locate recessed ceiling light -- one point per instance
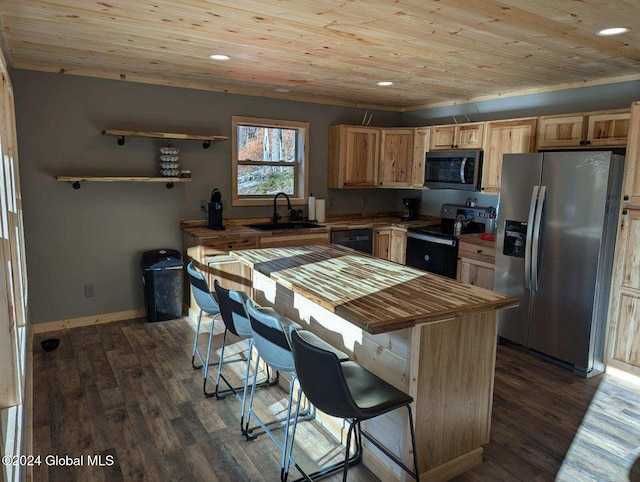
(385, 83)
(281, 89)
(608, 32)
(219, 57)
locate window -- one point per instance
(269, 156)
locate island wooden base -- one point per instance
(447, 366)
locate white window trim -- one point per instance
(302, 181)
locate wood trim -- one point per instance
(69, 323)
(536, 90)
(302, 181)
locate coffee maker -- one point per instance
(215, 211)
(410, 212)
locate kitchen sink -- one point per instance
(281, 226)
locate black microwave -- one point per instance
(453, 170)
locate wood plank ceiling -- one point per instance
(331, 51)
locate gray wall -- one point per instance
(97, 233)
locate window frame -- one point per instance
(301, 176)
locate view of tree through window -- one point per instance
(267, 160)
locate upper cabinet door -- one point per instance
(505, 137)
(442, 137)
(396, 158)
(420, 147)
(353, 156)
(469, 136)
(560, 131)
(608, 129)
(457, 136)
(631, 188)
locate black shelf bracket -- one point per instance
(121, 140)
(76, 185)
(169, 185)
(206, 144)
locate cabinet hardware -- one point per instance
(626, 198)
(624, 212)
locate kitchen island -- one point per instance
(430, 336)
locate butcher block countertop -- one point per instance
(374, 294)
(234, 228)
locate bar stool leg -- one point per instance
(289, 458)
(250, 409)
(206, 364)
(220, 362)
(195, 344)
(246, 384)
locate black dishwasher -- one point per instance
(359, 239)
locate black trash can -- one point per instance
(162, 283)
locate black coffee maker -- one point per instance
(410, 212)
(215, 211)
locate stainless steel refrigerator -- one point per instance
(557, 222)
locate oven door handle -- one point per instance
(433, 239)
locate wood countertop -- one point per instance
(478, 239)
(199, 230)
(377, 295)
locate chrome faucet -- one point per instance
(276, 216)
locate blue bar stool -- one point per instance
(349, 391)
(270, 336)
(207, 304)
(234, 315)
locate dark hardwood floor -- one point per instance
(127, 390)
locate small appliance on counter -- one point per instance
(410, 212)
(435, 248)
(215, 211)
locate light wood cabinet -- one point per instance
(623, 334)
(396, 158)
(476, 262)
(476, 273)
(631, 188)
(420, 147)
(390, 244)
(291, 240)
(505, 137)
(586, 130)
(457, 136)
(353, 156)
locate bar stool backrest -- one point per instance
(201, 291)
(233, 310)
(321, 378)
(269, 337)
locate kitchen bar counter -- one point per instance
(374, 294)
(430, 336)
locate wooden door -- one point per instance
(353, 156)
(442, 137)
(475, 273)
(631, 189)
(560, 131)
(398, 246)
(506, 137)
(420, 148)
(623, 337)
(382, 243)
(396, 158)
(608, 130)
(469, 136)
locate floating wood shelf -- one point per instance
(76, 180)
(207, 138)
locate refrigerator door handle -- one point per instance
(527, 247)
(536, 238)
(463, 165)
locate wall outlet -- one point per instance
(89, 291)
(364, 201)
(203, 206)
